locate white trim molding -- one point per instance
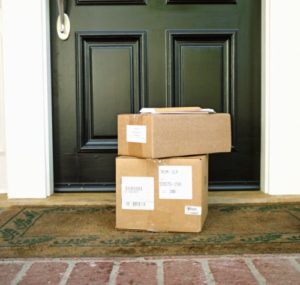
(265, 95)
(27, 97)
(3, 186)
(280, 97)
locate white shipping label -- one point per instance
(193, 210)
(137, 193)
(175, 182)
(136, 133)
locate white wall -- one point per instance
(3, 186)
(281, 98)
(26, 64)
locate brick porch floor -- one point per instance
(244, 269)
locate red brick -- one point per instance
(44, 273)
(183, 272)
(8, 272)
(277, 271)
(141, 273)
(230, 272)
(90, 273)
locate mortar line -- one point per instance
(143, 259)
(294, 263)
(160, 272)
(257, 275)
(64, 279)
(21, 273)
(207, 272)
(114, 273)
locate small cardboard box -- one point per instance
(161, 194)
(173, 134)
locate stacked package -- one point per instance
(162, 168)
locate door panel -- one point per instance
(120, 58)
(110, 81)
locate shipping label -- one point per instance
(193, 210)
(175, 182)
(136, 133)
(137, 193)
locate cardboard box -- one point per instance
(169, 135)
(161, 194)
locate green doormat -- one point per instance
(89, 231)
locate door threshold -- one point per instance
(98, 199)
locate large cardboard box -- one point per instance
(161, 194)
(169, 135)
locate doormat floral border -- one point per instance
(15, 234)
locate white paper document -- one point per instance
(175, 182)
(137, 193)
(136, 133)
(177, 110)
(193, 210)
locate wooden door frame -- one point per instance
(27, 92)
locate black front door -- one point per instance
(126, 54)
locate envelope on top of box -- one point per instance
(167, 132)
(176, 110)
